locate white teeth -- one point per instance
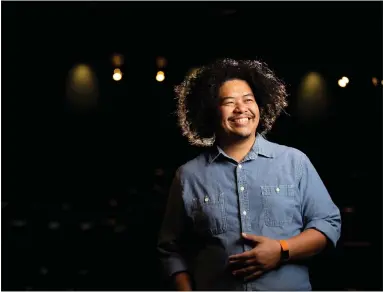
(242, 121)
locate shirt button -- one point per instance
(239, 165)
(242, 188)
(244, 213)
(277, 189)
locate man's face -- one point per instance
(238, 111)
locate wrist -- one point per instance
(285, 251)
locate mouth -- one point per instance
(241, 121)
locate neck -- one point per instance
(237, 149)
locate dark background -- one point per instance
(84, 190)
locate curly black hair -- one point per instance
(197, 97)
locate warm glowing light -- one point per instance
(82, 87)
(345, 79)
(375, 81)
(117, 75)
(160, 76)
(117, 60)
(312, 96)
(342, 83)
(161, 62)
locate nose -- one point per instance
(240, 107)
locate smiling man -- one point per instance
(244, 214)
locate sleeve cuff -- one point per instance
(330, 231)
(175, 265)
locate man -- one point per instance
(244, 214)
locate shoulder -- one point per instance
(192, 167)
(289, 158)
(280, 151)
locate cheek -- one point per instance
(257, 114)
(223, 116)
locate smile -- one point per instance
(241, 121)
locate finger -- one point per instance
(252, 237)
(237, 262)
(250, 262)
(237, 265)
(245, 271)
(242, 256)
(253, 276)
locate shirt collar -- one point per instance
(261, 147)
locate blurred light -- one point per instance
(19, 223)
(159, 172)
(82, 78)
(348, 210)
(111, 221)
(161, 62)
(53, 225)
(312, 96)
(342, 83)
(345, 79)
(160, 76)
(381, 82)
(82, 89)
(86, 226)
(117, 75)
(375, 81)
(43, 271)
(117, 60)
(119, 228)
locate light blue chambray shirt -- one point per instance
(275, 192)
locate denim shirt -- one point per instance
(274, 191)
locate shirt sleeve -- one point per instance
(319, 210)
(173, 227)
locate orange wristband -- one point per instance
(284, 245)
(285, 253)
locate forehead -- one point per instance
(234, 88)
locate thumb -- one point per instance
(252, 237)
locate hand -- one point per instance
(264, 256)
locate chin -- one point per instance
(243, 135)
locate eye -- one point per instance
(249, 100)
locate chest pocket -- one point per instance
(279, 204)
(209, 214)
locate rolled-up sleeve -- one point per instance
(173, 227)
(318, 209)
